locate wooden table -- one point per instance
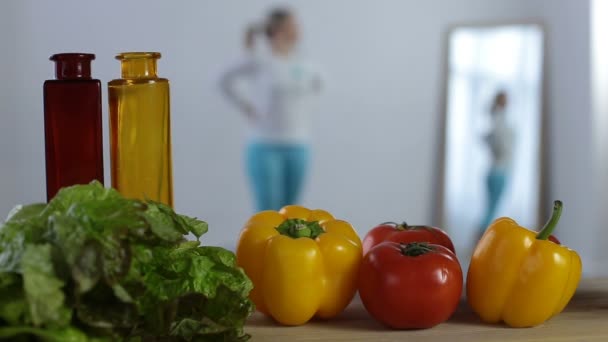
(585, 319)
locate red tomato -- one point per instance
(403, 233)
(410, 286)
(554, 239)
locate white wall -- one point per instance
(8, 148)
(599, 102)
(377, 133)
(384, 62)
(569, 108)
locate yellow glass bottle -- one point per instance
(140, 130)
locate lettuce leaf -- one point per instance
(13, 306)
(69, 334)
(43, 290)
(92, 265)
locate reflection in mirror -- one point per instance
(493, 129)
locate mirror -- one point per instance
(493, 130)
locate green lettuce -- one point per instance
(92, 265)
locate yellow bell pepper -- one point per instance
(303, 263)
(518, 276)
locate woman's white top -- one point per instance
(501, 141)
(279, 96)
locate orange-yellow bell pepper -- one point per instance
(303, 263)
(518, 276)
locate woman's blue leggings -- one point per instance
(277, 173)
(496, 184)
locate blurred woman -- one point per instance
(278, 149)
(500, 143)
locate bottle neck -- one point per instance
(138, 68)
(138, 64)
(69, 66)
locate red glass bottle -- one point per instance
(72, 124)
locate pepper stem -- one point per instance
(552, 223)
(415, 249)
(297, 228)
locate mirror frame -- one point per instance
(543, 206)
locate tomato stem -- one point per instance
(398, 226)
(552, 223)
(415, 249)
(297, 228)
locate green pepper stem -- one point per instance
(552, 223)
(296, 228)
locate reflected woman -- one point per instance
(500, 143)
(278, 149)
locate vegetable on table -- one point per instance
(404, 233)
(410, 285)
(92, 266)
(518, 276)
(303, 263)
